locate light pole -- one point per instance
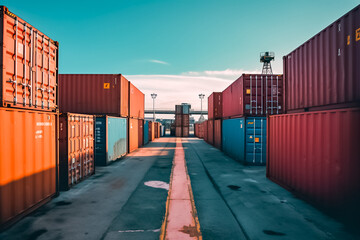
(153, 96)
(201, 96)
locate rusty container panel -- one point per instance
(29, 65)
(324, 72)
(178, 109)
(217, 133)
(76, 148)
(215, 105)
(185, 120)
(196, 129)
(111, 134)
(28, 161)
(205, 130)
(210, 132)
(253, 95)
(141, 132)
(178, 120)
(316, 155)
(136, 102)
(156, 129)
(133, 134)
(178, 131)
(151, 131)
(185, 131)
(98, 94)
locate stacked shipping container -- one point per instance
(316, 153)
(214, 122)
(28, 137)
(182, 120)
(136, 118)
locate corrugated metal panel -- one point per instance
(141, 132)
(100, 94)
(244, 139)
(133, 134)
(253, 95)
(178, 132)
(205, 130)
(178, 120)
(32, 85)
(178, 109)
(185, 120)
(110, 139)
(217, 133)
(136, 102)
(325, 70)
(28, 161)
(215, 105)
(185, 131)
(151, 131)
(186, 109)
(210, 132)
(76, 143)
(146, 132)
(316, 155)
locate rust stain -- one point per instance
(191, 230)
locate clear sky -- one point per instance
(177, 48)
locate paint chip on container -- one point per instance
(157, 184)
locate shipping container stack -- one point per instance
(136, 118)
(314, 148)
(28, 117)
(214, 119)
(244, 123)
(182, 120)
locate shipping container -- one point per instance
(178, 109)
(205, 130)
(178, 131)
(29, 65)
(253, 95)
(172, 129)
(99, 94)
(244, 139)
(133, 134)
(76, 148)
(141, 132)
(28, 161)
(136, 102)
(146, 132)
(110, 139)
(162, 131)
(185, 120)
(151, 131)
(159, 130)
(215, 105)
(178, 120)
(186, 109)
(196, 129)
(185, 131)
(217, 133)
(156, 129)
(210, 132)
(324, 72)
(316, 155)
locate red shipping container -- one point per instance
(253, 95)
(185, 131)
(324, 72)
(210, 132)
(215, 105)
(205, 130)
(30, 81)
(151, 131)
(28, 162)
(185, 120)
(178, 120)
(178, 131)
(141, 132)
(178, 109)
(196, 129)
(76, 152)
(136, 102)
(99, 94)
(159, 130)
(217, 133)
(133, 134)
(316, 155)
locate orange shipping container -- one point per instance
(29, 65)
(141, 132)
(28, 161)
(136, 102)
(98, 94)
(156, 128)
(151, 131)
(133, 134)
(76, 158)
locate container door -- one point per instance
(255, 141)
(100, 141)
(117, 138)
(233, 138)
(146, 132)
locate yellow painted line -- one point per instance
(181, 219)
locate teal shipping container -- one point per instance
(110, 139)
(244, 139)
(146, 132)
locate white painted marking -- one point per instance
(157, 184)
(136, 231)
(250, 180)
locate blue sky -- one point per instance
(177, 42)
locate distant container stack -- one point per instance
(28, 116)
(215, 114)
(182, 120)
(313, 150)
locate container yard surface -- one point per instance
(129, 199)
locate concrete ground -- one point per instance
(127, 200)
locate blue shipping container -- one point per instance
(146, 132)
(244, 139)
(110, 139)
